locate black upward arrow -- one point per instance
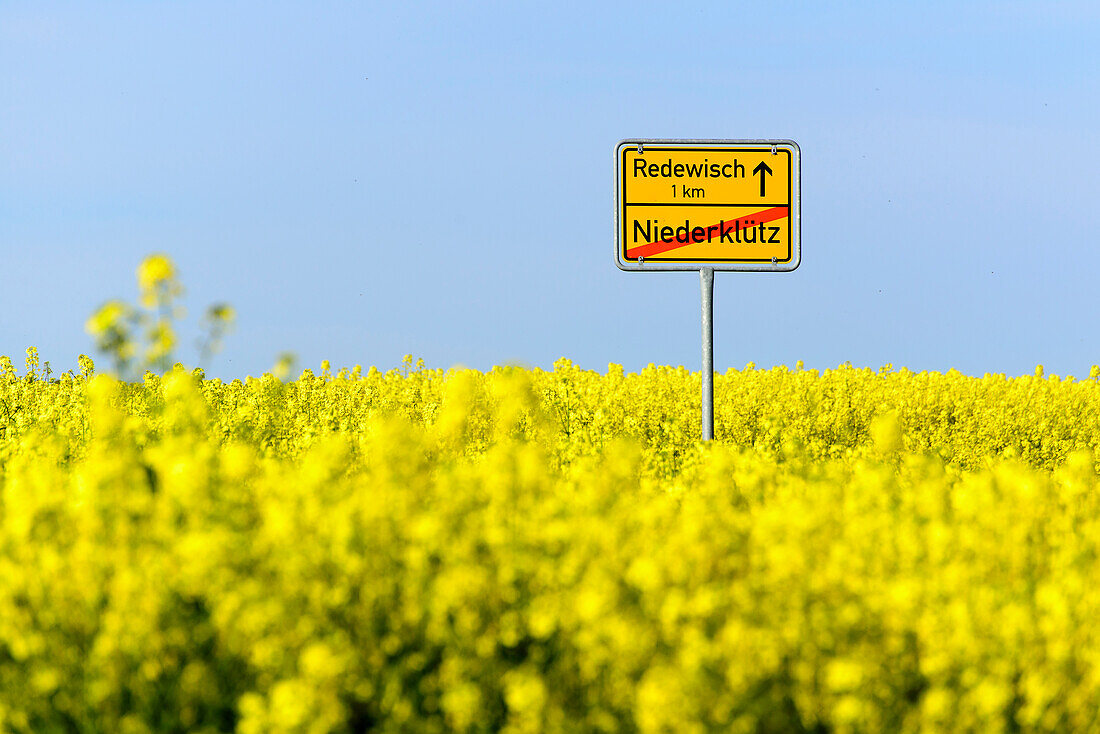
(762, 169)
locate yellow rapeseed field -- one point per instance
(548, 551)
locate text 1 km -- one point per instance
(687, 192)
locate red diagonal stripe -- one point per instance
(656, 248)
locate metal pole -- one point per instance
(706, 282)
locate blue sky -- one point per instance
(363, 181)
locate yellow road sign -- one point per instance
(728, 205)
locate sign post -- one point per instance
(706, 280)
(708, 205)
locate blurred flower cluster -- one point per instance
(144, 338)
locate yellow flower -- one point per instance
(106, 318)
(155, 270)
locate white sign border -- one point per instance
(795, 213)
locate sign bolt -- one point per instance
(640, 151)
